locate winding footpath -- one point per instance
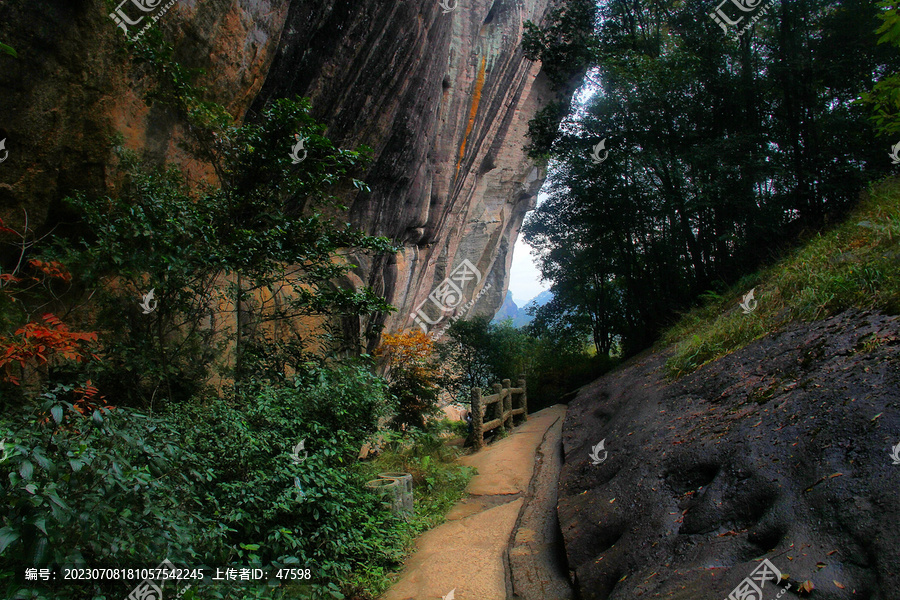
(502, 542)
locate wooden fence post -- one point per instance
(477, 420)
(497, 411)
(524, 401)
(507, 406)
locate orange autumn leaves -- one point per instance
(41, 342)
(51, 269)
(47, 341)
(413, 375)
(411, 350)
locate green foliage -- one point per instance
(439, 482)
(5, 49)
(318, 510)
(719, 155)
(884, 99)
(205, 483)
(265, 240)
(543, 129)
(486, 353)
(110, 488)
(566, 46)
(855, 264)
(206, 476)
(560, 363)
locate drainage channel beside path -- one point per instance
(502, 541)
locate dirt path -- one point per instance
(536, 551)
(503, 522)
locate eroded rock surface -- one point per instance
(443, 98)
(780, 450)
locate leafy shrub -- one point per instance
(414, 376)
(438, 483)
(211, 482)
(104, 487)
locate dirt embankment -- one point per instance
(781, 450)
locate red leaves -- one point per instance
(52, 269)
(90, 399)
(5, 229)
(42, 342)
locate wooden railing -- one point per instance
(505, 408)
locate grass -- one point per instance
(855, 264)
(439, 482)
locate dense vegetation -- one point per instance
(854, 264)
(131, 436)
(721, 153)
(485, 353)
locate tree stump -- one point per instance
(406, 480)
(391, 491)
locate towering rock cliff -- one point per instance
(442, 96)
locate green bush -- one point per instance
(106, 489)
(553, 364)
(439, 482)
(210, 482)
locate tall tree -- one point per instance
(719, 150)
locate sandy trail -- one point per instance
(501, 542)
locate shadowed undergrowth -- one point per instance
(856, 264)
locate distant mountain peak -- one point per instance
(509, 309)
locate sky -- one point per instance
(524, 277)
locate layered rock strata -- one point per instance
(442, 96)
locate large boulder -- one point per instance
(778, 451)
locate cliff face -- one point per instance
(443, 98)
